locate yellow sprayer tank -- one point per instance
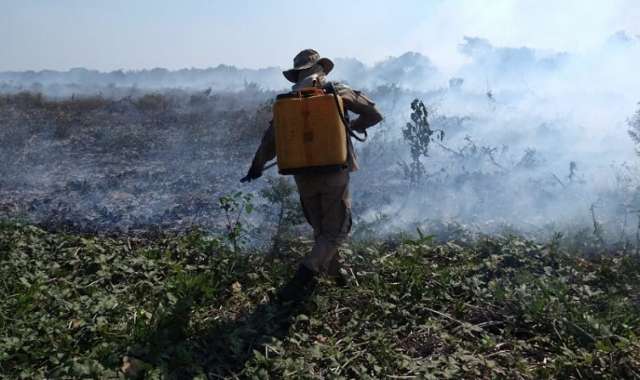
(310, 134)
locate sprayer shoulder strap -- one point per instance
(334, 91)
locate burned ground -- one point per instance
(162, 160)
(96, 164)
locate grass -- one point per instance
(185, 306)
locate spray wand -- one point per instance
(269, 166)
(246, 178)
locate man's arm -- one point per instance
(265, 153)
(357, 102)
(267, 150)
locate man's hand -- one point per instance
(254, 173)
(356, 126)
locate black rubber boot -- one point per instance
(334, 271)
(300, 286)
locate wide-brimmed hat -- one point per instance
(305, 60)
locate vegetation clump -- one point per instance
(189, 306)
(418, 134)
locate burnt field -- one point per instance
(139, 161)
(153, 161)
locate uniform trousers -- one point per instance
(327, 207)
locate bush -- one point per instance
(284, 207)
(24, 99)
(418, 134)
(152, 103)
(81, 104)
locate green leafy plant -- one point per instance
(281, 193)
(419, 135)
(90, 306)
(236, 207)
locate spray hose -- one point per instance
(343, 118)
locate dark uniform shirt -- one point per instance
(354, 101)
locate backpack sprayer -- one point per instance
(311, 131)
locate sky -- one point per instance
(128, 34)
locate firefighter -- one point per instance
(325, 197)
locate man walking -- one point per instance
(325, 197)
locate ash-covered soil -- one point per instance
(154, 161)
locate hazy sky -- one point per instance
(135, 34)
